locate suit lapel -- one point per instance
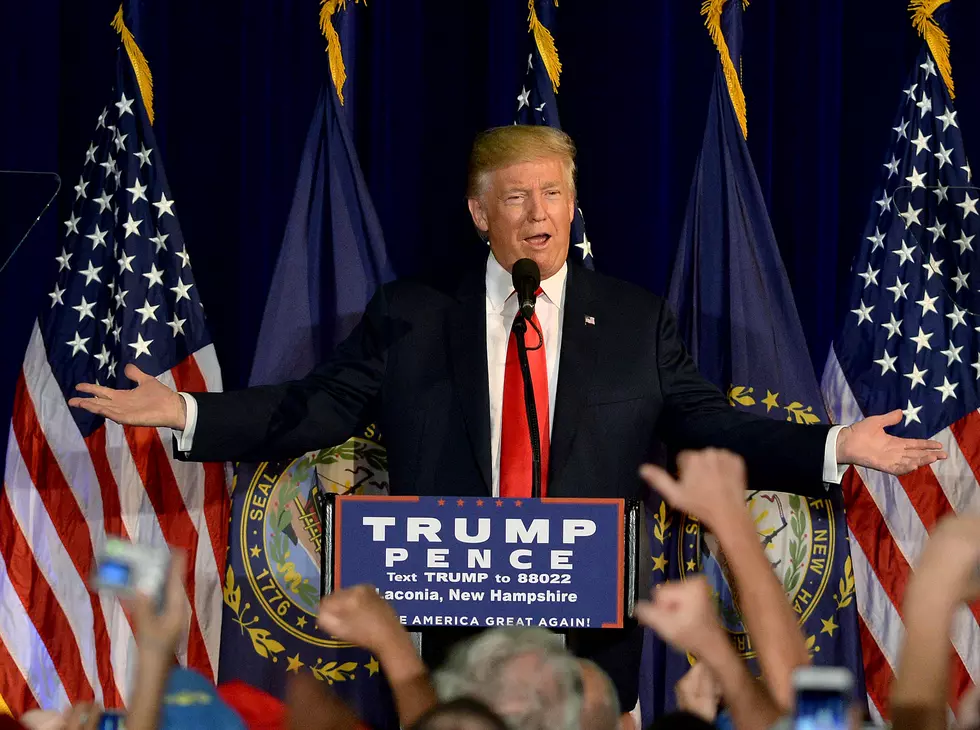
(468, 348)
(576, 364)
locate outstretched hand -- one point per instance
(150, 403)
(865, 443)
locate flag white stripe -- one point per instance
(955, 475)
(875, 607)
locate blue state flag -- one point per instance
(736, 312)
(537, 103)
(332, 260)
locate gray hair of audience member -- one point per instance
(525, 675)
(600, 700)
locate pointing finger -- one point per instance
(661, 481)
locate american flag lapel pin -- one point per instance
(589, 319)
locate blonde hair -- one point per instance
(504, 146)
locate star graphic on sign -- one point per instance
(255, 551)
(91, 273)
(952, 354)
(894, 327)
(864, 315)
(960, 278)
(84, 309)
(917, 377)
(500, 503)
(947, 389)
(870, 276)
(294, 664)
(181, 290)
(943, 156)
(518, 503)
(97, 237)
(948, 118)
(147, 311)
(155, 276)
(904, 253)
(80, 188)
(63, 260)
(887, 362)
(132, 226)
(185, 257)
(964, 242)
(921, 142)
(523, 99)
(164, 206)
(141, 346)
(124, 105)
(138, 191)
(932, 267)
(103, 201)
(911, 215)
(877, 240)
(160, 240)
(372, 667)
(899, 289)
(144, 156)
(885, 201)
(921, 340)
(969, 205)
(441, 502)
(957, 317)
(90, 153)
(916, 179)
(176, 324)
(102, 357)
(585, 245)
(56, 295)
(900, 129)
(911, 413)
(72, 224)
(479, 503)
(459, 503)
(924, 104)
(927, 303)
(892, 166)
(938, 230)
(940, 192)
(976, 366)
(770, 399)
(78, 344)
(125, 263)
(660, 563)
(828, 626)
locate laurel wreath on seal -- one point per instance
(262, 642)
(662, 522)
(800, 414)
(846, 586)
(740, 394)
(797, 548)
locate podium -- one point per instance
(484, 562)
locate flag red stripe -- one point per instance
(187, 377)
(111, 508)
(41, 605)
(878, 676)
(927, 496)
(13, 687)
(178, 530)
(966, 431)
(67, 518)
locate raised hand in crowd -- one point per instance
(698, 692)
(711, 487)
(946, 576)
(312, 705)
(359, 615)
(684, 615)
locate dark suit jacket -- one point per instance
(417, 365)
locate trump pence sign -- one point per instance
(466, 561)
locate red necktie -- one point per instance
(515, 442)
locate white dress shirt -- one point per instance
(501, 310)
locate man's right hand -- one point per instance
(150, 403)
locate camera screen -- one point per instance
(113, 574)
(821, 710)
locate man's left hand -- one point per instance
(866, 444)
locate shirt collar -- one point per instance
(500, 284)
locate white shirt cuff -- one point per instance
(185, 438)
(832, 471)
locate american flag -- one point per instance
(124, 294)
(911, 342)
(538, 104)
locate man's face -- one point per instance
(527, 212)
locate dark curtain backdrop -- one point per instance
(236, 83)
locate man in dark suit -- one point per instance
(438, 371)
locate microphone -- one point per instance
(526, 277)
